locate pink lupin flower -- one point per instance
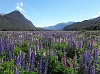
(63, 60)
(70, 63)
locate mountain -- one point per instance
(15, 21)
(58, 26)
(92, 24)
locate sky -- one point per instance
(51, 12)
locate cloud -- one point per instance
(99, 13)
(96, 15)
(20, 4)
(19, 7)
(93, 13)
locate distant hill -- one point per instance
(15, 21)
(58, 26)
(92, 24)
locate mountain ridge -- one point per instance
(15, 21)
(91, 24)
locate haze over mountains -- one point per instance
(58, 26)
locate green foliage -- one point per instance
(25, 46)
(68, 70)
(17, 50)
(54, 66)
(59, 45)
(98, 70)
(7, 67)
(70, 52)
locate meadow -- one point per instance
(50, 52)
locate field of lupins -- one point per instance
(50, 52)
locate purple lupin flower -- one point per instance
(95, 55)
(47, 45)
(27, 68)
(86, 57)
(23, 64)
(32, 61)
(22, 55)
(81, 44)
(6, 47)
(9, 55)
(39, 65)
(40, 46)
(85, 68)
(83, 58)
(89, 47)
(46, 66)
(36, 44)
(77, 45)
(29, 55)
(51, 41)
(11, 46)
(30, 44)
(17, 71)
(1, 47)
(18, 60)
(92, 70)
